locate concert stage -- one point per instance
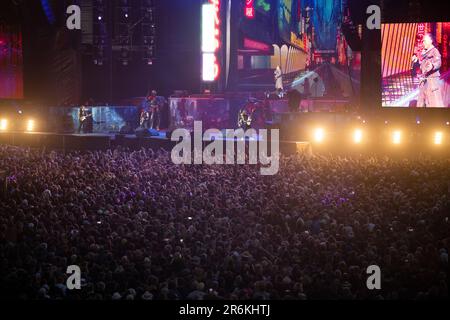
(82, 142)
(336, 145)
(93, 142)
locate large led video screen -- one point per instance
(333, 69)
(11, 63)
(415, 64)
(286, 18)
(298, 16)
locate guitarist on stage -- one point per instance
(86, 120)
(144, 121)
(82, 118)
(245, 120)
(151, 112)
(246, 114)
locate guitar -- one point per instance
(83, 118)
(145, 116)
(245, 120)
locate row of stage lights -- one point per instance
(30, 125)
(359, 137)
(319, 134)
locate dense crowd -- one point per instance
(142, 228)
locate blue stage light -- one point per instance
(47, 7)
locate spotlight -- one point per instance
(397, 137)
(448, 123)
(30, 125)
(100, 18)
(319, 135)
(357, 136)
(418, 122)
(438, 137)
(3, 125)
(386, 122)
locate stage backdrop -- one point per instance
(326, 19)
(11, 62)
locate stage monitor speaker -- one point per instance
(153, 133)
(141, 132)
(144, 133)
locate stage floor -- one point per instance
(105, 141)
(113, 136)
(162, 135)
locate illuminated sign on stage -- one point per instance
(210, 40)
(256, 45)
(299, 42)
(250, 9)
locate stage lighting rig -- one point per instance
(148, 30)
(100, 36)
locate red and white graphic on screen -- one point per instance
(211, 40)
(11, 62)
(421, 30)
(216, 4)
(250, 9)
